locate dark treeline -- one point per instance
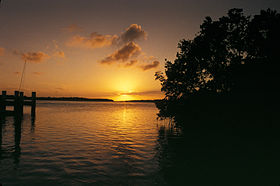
(221, 92)
(230, 70)
(70, 99)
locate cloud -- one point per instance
(153, 92)
(34, 57)
(123, 54)
(95, 40)
(2, 51)
(130, 55)
(72, 28)
(59, 54)
(37, 73)
(145, 67)
(127, 55)
(130, 63)
(38, 57)
(149, 58)
(132, 33)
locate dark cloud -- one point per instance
(34, 57)
(95, 40)
(154, 64)
(130, 63)
(132, 33)
(38, 57)
(123, 54)
(129, 54)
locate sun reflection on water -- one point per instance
(104, 142)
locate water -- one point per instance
(80, 143)
(95, 143)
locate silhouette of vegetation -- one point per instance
(221, 94)
(195, 155)
(231, 60)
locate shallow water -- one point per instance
(79, 143)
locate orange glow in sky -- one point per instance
(97, 49)
(124, 97)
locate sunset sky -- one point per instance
(100, 49)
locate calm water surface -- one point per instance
(95, 143)
(80, 143)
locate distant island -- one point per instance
(89, 99)
(72, 99)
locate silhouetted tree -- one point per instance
(234, 53)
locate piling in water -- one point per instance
(17, 101)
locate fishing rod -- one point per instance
(22, 75)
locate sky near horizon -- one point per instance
(100, 48)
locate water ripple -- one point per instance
(77, 143)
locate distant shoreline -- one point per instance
(142, 101)
(91, 100)
(72, 99)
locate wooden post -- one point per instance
(1, 135)
(21, 101)
(16, 103)
(33, 105)
(2, 102)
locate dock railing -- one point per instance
(17, 101)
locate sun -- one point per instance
(125, 88)
(124, 97)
